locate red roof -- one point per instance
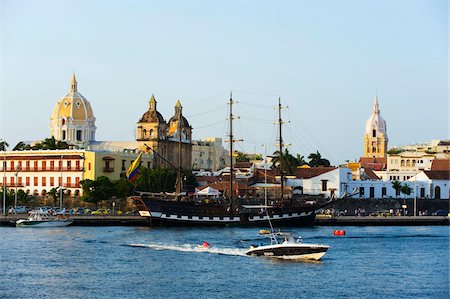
(243, 164)
(437, 174)
(441, 164)
(221, 186)
(373, 163)
(370, 174)
(307, 173)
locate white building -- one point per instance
(209, 154)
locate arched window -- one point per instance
(144, 133)
(402, 163)
(374, 133)
(437, 192)
(408, 163)
(374, 149)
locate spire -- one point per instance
(376, 108)
(178, 108)
(73, 86)
(152, 103)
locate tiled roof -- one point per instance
(243, 164)
(370, 174)
(373, 163)
(437, 174)
(221, 186)
(441, 164)
(307, 173)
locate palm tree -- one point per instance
(397, 187)
(315, 160)
(405, 189)
(301, 160)
(289, 161)
(3, 145)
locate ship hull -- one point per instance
(172, 213)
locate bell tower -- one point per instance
(375, 136)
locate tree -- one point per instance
(405, 189)
(3, 145)
(242, 157)
(301, 160)
(50, 144)
(99, 189)
(123, 188)
(290, 163)
(315, 160)
(397, 187)
(156, 180)
(21, 146)
(54, 194)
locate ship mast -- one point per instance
(231, 141)
(179, 187)
(280, 123)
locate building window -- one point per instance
(77, 165)
(36, 183)
(89, 166)
(44, 165)
(402, 163)
(374, 133)
(324, 185)
(383, 192)
(52, 165)
(422, 192)
(64, 135)
(44, 181)
(68, 165)
(27, 181)
(69, 181)
(79, 135)
(372, 192)
(361, 191)
(52, 181)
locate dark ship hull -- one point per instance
(165, 212)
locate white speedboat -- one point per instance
(43, 219)
(289, 248)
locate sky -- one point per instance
(325, 59)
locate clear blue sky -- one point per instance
(326, 59)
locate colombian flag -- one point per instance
(134, 168)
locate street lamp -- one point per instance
(15, 193)
(61, 185)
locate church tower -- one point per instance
(72, 119)
(375, 136)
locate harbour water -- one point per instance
(138, 262)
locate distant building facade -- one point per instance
(209, 154)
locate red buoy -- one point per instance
(338, 232)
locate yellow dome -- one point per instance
(72, 119)
(74, 105)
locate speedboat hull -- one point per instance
(290, 251)
(51, 223)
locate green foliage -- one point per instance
(95, 191)
(21, 146)
(395, 151)
(242, 157)
(315, 160)
(22, 196)
(189, 181)
(156, 180)
(9, 196)
(405, 189)
(123, 188)
(50, 144)
(3, 145)
(397, 187)
(54, 194)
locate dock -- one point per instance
(382, 221)
(89, 220)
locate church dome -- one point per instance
(74, 105)
(73, 119)
(176, 117)
(375, 121)
(152, 115)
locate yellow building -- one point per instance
(375, 136)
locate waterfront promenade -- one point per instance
(125, 220)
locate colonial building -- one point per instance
(375, 136)
(72, 119)
(209, 154)
(171, 142)
(38, 171)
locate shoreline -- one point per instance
(112, 220)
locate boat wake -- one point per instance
(193, 248)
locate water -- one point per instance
(102, 262)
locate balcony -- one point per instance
(71, 185)
(43, 169)
(108, 169)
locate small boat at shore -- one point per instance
(290, 248)
(43, 219)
